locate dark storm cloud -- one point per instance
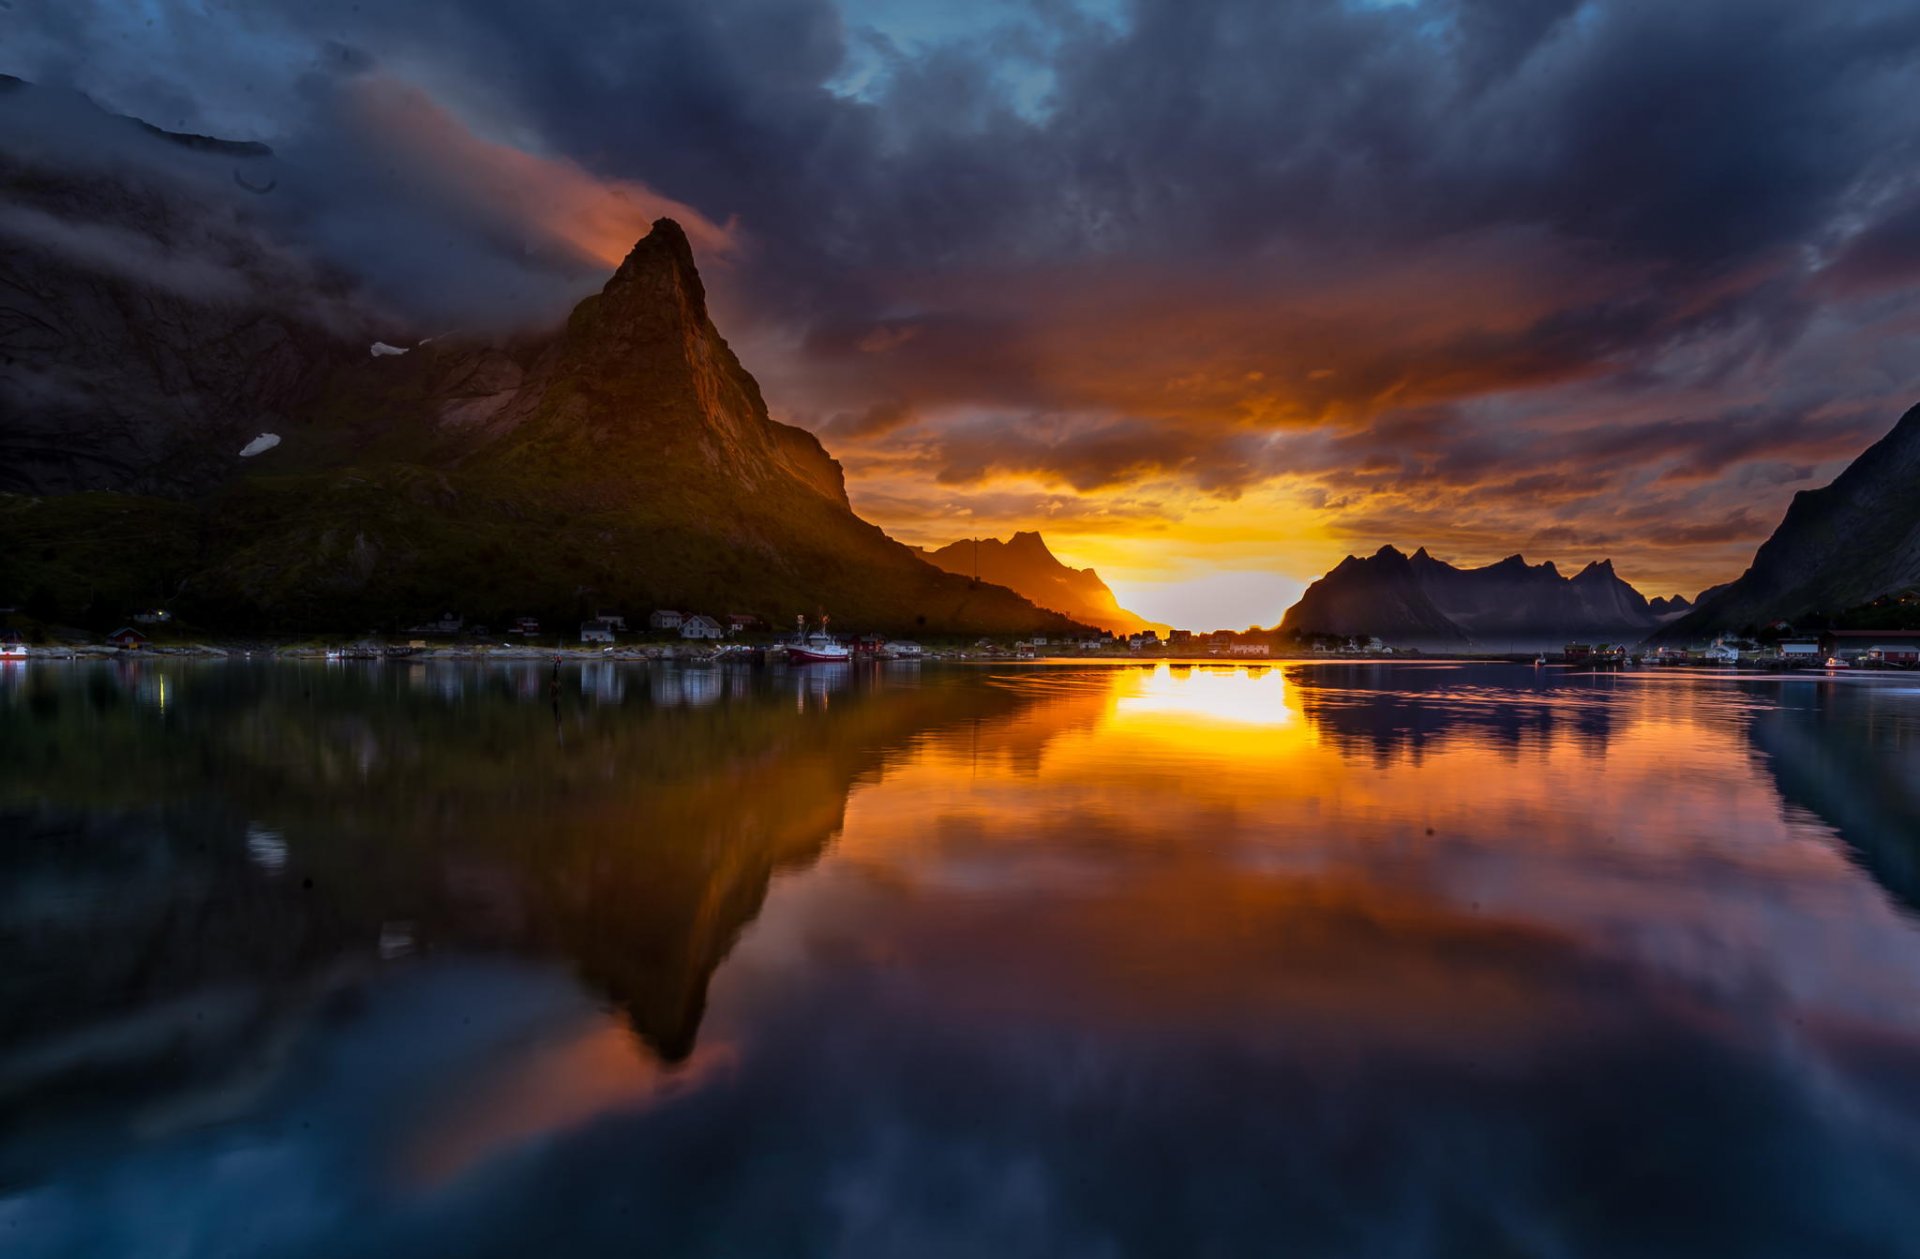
(1688, 136)
(1188, 224)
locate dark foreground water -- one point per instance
(1347, 960)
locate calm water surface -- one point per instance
(1342, 960)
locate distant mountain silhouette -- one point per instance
(1839, 547)
(1024, 565)
(1419, 600)
(1378, 595)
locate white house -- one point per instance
(597, 630)
(665, 618)
(698, 626)
(1250, 649)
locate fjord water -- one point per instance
(1348, 959)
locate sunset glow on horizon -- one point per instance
(1210, 296)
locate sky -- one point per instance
(1211, 292)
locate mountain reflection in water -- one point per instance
(1346, 958)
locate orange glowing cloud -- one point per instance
(550, 202)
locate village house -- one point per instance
(1864, 644)
(599, 630)
(127, 639)
(525, 625)
(665, 619)
(1179, 638)
(153, 616)
(1723, 651)
(447, 624)
(1250, 649)
(1799, 649)
(742, 622)
(698, 626)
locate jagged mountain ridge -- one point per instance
(621, 461)
(1027, 566)
(1670, 605)
(1839, 547)
(1420, 600)
(1379, 595)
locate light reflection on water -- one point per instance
(1332, 959)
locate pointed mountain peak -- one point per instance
(663, 253)
(1597, 570)
(1389, 552)
(1421, 554)
(1024, 564)
(1029, 542)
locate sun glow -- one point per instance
(1184, 699)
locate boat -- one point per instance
(1539, 662)
(818, 647)
(1835, 662)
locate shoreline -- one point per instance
(766, 655)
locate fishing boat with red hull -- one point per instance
(819, 647)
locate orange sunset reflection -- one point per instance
(1217, 845)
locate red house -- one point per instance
(127, 639)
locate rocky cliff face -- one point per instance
(1025, 565)
(1511, 604)
(641, 374)
(1838, 547)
